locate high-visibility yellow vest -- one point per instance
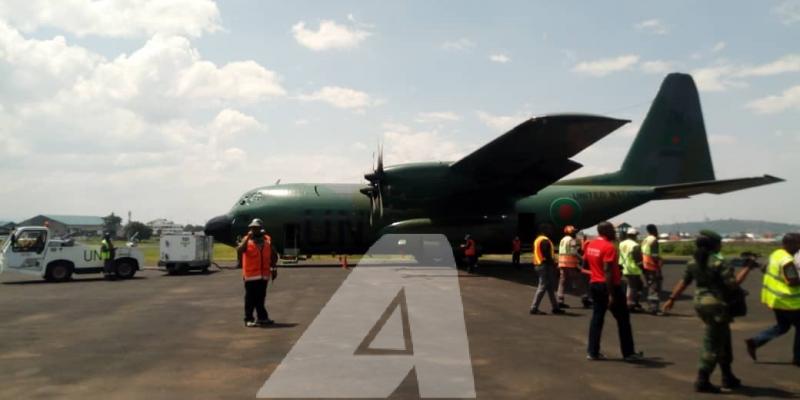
(568, 253)
(538, 257)
(105, 250)
(626, 260)
(776, 293)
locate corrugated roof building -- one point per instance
(78, 225)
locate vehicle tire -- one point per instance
(205, 269)
(125, 269)
(59, 272)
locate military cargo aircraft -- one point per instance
(500, 190)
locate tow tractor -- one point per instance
(33, 250)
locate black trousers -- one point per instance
(255, 293)
(515, 258)
(619, 309)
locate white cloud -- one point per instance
(461, 44)
(230, 122)
(501, 123)
(120, 18)
(340, 97)
(656, 67)
(787, 63)
(654, 26)
(606, 66)
(499, 58)
(788, 11)
(716, 79)
(789, 99)
(719, 46)
(717, 139)
(437, 116)
(403, 145)
(329, 35)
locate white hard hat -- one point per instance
(256, 222)
(632, 231)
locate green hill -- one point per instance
(731, 226)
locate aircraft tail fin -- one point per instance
(671, 146)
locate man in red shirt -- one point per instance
(607, 294)
(516, 248)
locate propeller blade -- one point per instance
(380, 201)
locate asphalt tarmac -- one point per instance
(168, 337)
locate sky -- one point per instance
(175, 108)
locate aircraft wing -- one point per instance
(534, 154)
(684, 190)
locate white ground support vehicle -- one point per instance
(33, 250)
(185, 252)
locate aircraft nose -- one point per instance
(221, 229)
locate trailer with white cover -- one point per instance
(33, 250)
(185, 252)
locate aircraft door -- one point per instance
(291, 246)
(26, 250)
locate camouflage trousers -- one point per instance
(716, 342)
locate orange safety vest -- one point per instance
(538, 257)
(469, 250)
(568, 253)
(257, 262)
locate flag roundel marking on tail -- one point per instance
(564, 211)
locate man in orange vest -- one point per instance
(569, 266)
(516, 248)
(258, 266)
(470, 252)
(544, 263)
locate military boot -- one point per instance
(703, 383)
(729, 380)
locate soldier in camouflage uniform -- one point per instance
(714, 278)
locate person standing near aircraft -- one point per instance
(630, 258)
(781, 293)
(470, 253)
(516, 248)
(652, 262)
(715, 279)
(544, 264)
(569, 268)
(258, 266)
(107, 255)
(607, 294)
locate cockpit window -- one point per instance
(250, 198)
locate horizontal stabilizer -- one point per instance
(684, 190)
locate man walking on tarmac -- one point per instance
(607, 294)
(258, 266)
(516, 248)
(569, 268)
(630, 258)
(652, 262)
(781, 293)
(107, 255)
(470, 253)
(544, 263)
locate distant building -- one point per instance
(163, 226)
(74, 225)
